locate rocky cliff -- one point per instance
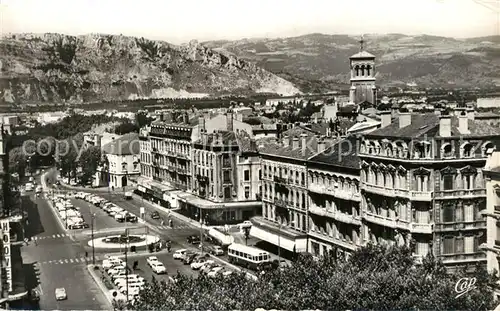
(60, 68)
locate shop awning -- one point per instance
(281, 240)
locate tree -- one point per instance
(89, 161)
(375, 278)
(142, 119)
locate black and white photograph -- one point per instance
(250, 155)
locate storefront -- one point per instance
(153, 191)
(214, 213)
(292, 241)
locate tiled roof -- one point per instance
(428, 124)
(271, 147)
(420, 124)
(487, 114)
(227, 138)
(245, 142)
(264, 127)
(127, 144)
(343, 153)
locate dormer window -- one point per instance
(447, 151)
(467, 150)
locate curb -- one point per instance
(52, 209)
(137, 254)
(104, 290)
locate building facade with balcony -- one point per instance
(492, 182)
(422, 182)
(334, 200)
(166, 154)
(284, 221)
(226, 184)
(121, 164)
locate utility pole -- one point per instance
(201, 230)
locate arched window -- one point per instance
(362, 70)
(368, 68)
(357, 70)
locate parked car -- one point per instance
(188, 259)
(197, 264)
(213, 273)
(216, 250)
(155, 215)
(158, 268)
(208, 267)
(112, 262)
(128, 195)
(131, 218)
(152, 260)
(61, 293)
(193, 239)
(179, 253)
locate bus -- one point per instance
(247, 256)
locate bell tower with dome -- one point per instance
(363, 89)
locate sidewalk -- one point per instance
(106, 292)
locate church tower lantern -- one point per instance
(363, 89)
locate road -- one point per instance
(59, 261)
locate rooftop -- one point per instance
(127, 144)
(343, 153)
(363, 54)
(279, 149)
(428, 124)
(223, 138)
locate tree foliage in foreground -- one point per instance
(375, 278)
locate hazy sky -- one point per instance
(182, 20)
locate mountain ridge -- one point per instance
(320, 62)
(51, 67)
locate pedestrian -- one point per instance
(86, 255)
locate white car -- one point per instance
(200, 263)
(214, 271)
(179, 253)
(245, 224)
(61, 293)
(132, 278)
(151, 260)
(158, 268)
(115, 270)
(110, 263)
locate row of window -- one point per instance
(335, 230)
(421, 150)
(294, 219)
(462, 245)
(334, 182)
(294, 176)
(173, 146)
(294, 197)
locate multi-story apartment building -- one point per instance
(121, 164)
(284, 190)
(226, 175)
(167, 157)
(334, 199)
(422, 182)
(491, 173)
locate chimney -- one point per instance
(437, 112)
(239, 117)
(161, 117)
(404, 119)
(328, 131)
(386, 118)
(463, 123)
(295, 143)
(445, 126)
(471, 113)
(321, 144)
(204, 137)
(286, 141)
(303, 138)
(229, 120)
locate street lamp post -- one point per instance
(92, 236)
(201, 230)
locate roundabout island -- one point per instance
(117, 242)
